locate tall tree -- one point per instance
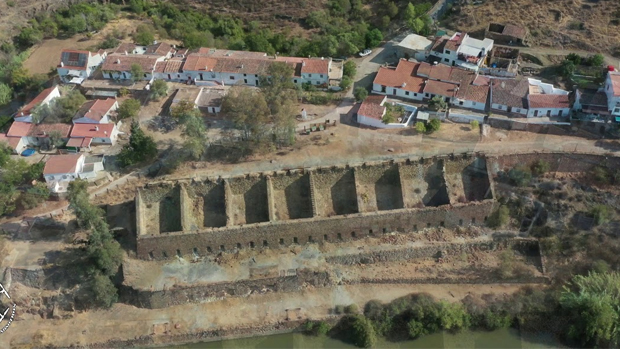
(140, 148)
(249, 112)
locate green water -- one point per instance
(501, 339)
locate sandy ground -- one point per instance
(123, 321)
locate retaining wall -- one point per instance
(559, 162)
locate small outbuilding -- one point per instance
(414, 46)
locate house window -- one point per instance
(406, 93)
(473, 103)
(446, 60)
(415, 95)
(460, 102)
(245, 74)
(321, 76)
(318, 82)
(295, 81)
(144, 74)
(426, 94)
(617, 110)
(446, 52)
(232, 77)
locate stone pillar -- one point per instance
(270, 201)
(228, 201)
(140, 230)
(187, 217)
(312, 194)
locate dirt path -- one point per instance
(123, 321)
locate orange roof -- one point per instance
(196, 62)
(315, 66)
(19, 129)
(615, 82)
(79, 142)
(93, 131)
(404, 74)
(43, 130)
(440, 88)
(118, 62)
(58, 164)
(27, 109)
(548, 101)
(13, 142)
(371, 107)
(95, 109)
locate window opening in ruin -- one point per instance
(310, 239)
(209, 249)
(179, 253)
(415, 227)
(238, 246)
(222, 247)
(325, 237)
(163, 253)
(370, 232)
(295, 240)
(442, 224)
(353, 234)
(151, 255)
(460, 222)
(485, 218)
(473, 220)
(281, 241)
(251, 244)
(339, 236)
(428, 225)
(384, 231)
(195, 252)
(265, 243)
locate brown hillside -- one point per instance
(592, 25)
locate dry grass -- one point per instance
(552, 23)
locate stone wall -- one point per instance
(559, 162)
(286, 233)
(198, 294)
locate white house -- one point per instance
(206, 99)
(87, 134)
(98, 111)
(77, 65)
(38, 134)
(510, 96)
(612, 89)
(16, 143)
(60, 170)
(118, 66)
(462, 50)
(44, 98)
(546, 100)
(400, 81)
(373, 109)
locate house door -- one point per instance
(383, 89)
(535, 112)
(394, 92)
(245, 81)
(124, 75)
(560, 113)
(509, 109)
(169, 77)
(548, 112)
(201, 76)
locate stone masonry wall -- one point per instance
(285, 233)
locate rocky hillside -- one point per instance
(590, 25)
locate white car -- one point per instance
(365, 53)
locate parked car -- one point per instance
(365, 53)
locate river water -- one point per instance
(501, 339)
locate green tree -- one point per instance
(567, 69)
(433, 126)
(6, 94)
(8, 195)
(105, 294)
(129, 109)
(349, 69)
(453, 316)
(596, 60)
(540, 167)
(29, 36)
(345, 83)
(249, 112)
(374, 38)
(63, 108)
(33, 196)
(437, 103)
(144, 35)
(278, 87)
(140, 148)
(520, 175)
(5, 154)
(600, 213)
(136, 72)
(385, 21)
(575, 58)
(360, 94)
(159, 89)
(416, 25)
(392, 9)
(410, 13)
(592, 304)
(474, 125)
(362, 332)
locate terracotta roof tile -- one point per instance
(159, 49)
(13, 142)
(60, 164)
(19, 129)
(95, 109)
(118, 62)
(371, 107)
(169, 66)
(43, 130)
(510, 92)
(93, 131)
(548, 101)
(404, 73)
(615, 82)
(125, 47)
(440, 88)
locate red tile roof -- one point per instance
(510, 92)
(19, 129)
(95, 109)
(615, 82)
(93, 131)
(43, 130)
(160, 49)
(13, 142)
(371, 107)
(548, 101)
(404, 73)
(79, 142)
(125, 47)
(196, 62)
(59, 164)
(118, 62)
(315, 66)
(27, 109)
(169, 66)
(440, 88)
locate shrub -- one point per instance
(345, 83)
(520, 175)
(339, 309)
(360, 94)
(316, 328)
(104, 292)
(128, 109)
(540, 167)
(492, 320)
(474, 125)
(351, 309)
(600, 213)
(123, 92)
(601, 175)
(362, 332)
(420, 127)
(159, 89)
(499, 217)
(453, 316)
(416, 329)
(433, 125)
(437, 103)
(350, 69)
(596, 60)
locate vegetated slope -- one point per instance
(14, 12)
(589, 25)
(274, 10)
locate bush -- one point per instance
(596, 60)
(474, 124)
(140, 148)
(345, 83)
(360, 94)
(540, 167)
(159, 89)
(499, 218)
(433, 125)
(362, 332)
(350, 69)
(420, 127)
(520, 175)
(339, 309)
(437, 103)
(492, 320)
(600, 213)
(351, 309)
(128, 109)
(453, 316)
(104, 292)
(316, 328)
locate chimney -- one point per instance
(404, 84)
(105, 133)
(435, 63)
(322, 58)
(126, 53)
(118, 61)
(96, 128)
(303, 63)
(242, 66)
(62, 64)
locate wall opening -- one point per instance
(442, 224)
(485, 218)
(164, 254)
(209, 249)
(473, 220)
(151, 255)
(384, 230)
(460, 222)
(295, 240)
(428, 225)
(265, 243)
(238, 246)
(353, 234)
(370, 232)
(339, 236)
(179, 253)
(251, 244)
(195, 250)
(415, 227)
(310, 239)
(222, 248)
(281, 241)
(325, 237)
